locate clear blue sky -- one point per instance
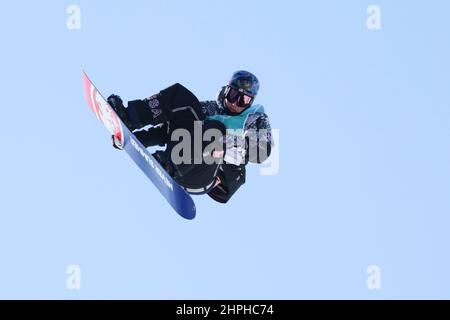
(364, 120)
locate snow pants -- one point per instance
(176, 108)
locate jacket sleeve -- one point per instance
(259, 140)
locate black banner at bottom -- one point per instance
(222, 309)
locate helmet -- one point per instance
(242, 89)
(245, 82)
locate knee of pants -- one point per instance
(179, 98)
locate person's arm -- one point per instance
(259, 140)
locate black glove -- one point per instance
(116, 103)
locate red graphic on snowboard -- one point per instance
(103, 110)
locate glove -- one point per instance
(116, 143)
(235, 155)
(235, 150)
(116, 103)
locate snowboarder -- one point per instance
(245, 128)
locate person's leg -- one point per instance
(198, 177)
(179, 108)
(175, 107)
(154, 136)
(170, 104)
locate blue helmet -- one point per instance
(245, 82)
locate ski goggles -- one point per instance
(241, 99)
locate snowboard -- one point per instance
(175, 195)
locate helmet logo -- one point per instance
(245, 84)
